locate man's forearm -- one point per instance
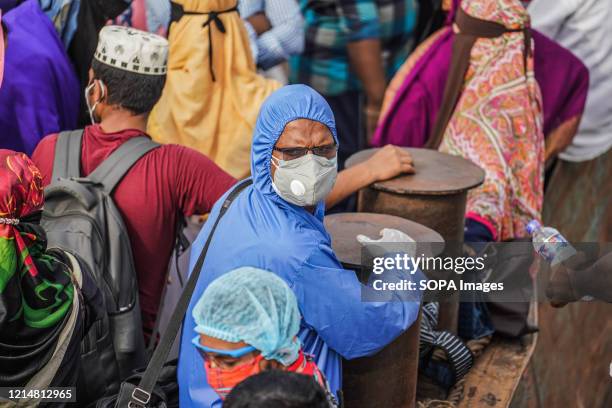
(349, 181)
(365, 57)
(259, 22)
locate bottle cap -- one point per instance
(532, 226)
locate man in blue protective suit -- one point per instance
(276, 224)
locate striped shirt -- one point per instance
(332, 24)
(285, 38)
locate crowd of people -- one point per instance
(195, 95)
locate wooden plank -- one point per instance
(497, 373)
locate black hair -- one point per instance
(277, 389)
(137, 93)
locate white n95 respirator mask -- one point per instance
(304, 181)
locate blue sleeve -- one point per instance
(158, 15)
(360, 19)
(331, 303)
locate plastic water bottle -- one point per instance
(549, 243)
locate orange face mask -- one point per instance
(224, 380)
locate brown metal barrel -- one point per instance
(387, 379)
(434, 196)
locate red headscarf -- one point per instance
(21, 194)
(36, 290)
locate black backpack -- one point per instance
(80, 216)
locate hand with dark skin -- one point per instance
(388, 162)
(578, 277)
(365, 57)
(259, 22)
(560, 138)
(559, 290)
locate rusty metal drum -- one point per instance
(434, 196)
(387, 379)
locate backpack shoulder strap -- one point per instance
(138, 396)
(67, 160)
(110, 172)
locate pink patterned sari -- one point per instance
(497, 124)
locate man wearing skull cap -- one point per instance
(126, 79)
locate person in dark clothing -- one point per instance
(47, 300)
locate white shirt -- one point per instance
(585, 28)
(285, 38)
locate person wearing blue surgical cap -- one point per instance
(247, 322)
(276, 224)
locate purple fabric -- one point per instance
(40, 92)
(1, 49)
(563, 80)
(412, 114)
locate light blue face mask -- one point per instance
(304, 181)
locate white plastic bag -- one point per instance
(397, 241)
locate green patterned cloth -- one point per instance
(36, 288)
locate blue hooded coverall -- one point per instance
(262, 230)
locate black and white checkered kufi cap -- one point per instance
(132, 50)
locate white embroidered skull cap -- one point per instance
(132, 50)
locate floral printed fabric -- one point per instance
(36, 290)
(497, 124)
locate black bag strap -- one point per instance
(142, 393)
(67, 160)
(110, 172)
